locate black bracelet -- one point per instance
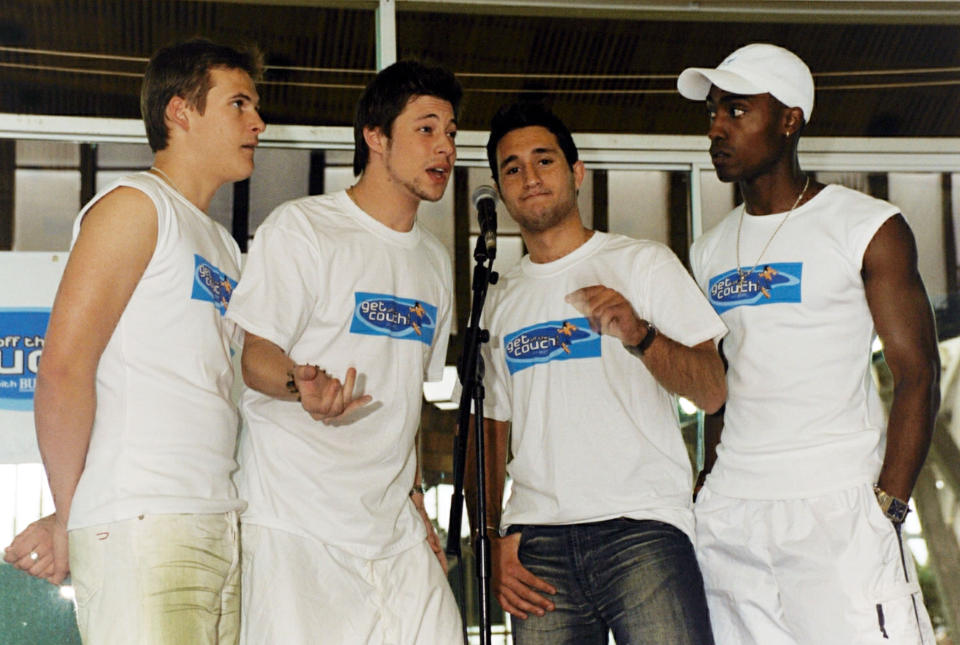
(292, 384)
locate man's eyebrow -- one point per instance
(432, 115)
(537, 151)
(508, 160)
(242, 95)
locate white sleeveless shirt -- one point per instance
(803, 416)
(165, 429)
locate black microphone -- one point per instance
(485, 201)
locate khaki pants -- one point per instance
(158, 580)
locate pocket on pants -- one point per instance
(87, 563)
(898, 614)
(896, 597)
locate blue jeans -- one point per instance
(638, 578)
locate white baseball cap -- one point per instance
(755, 69)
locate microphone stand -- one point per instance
(470, 369)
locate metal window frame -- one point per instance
(599, 151)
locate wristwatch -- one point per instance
(893, 507)
(645, 342)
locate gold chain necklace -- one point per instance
(744, 275)
(166, 178)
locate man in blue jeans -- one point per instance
(596, 533)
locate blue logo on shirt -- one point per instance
(22, 334)
(554, 340)
(765, 285)
(380, 314)
(210, 284)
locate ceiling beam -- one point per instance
(806, 11)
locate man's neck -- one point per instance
(383, 200)
(774, 191)
(188, 179)
(556, 242)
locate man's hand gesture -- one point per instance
(325, 397)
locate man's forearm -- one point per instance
(904, 321)
(64, 411)
(693, 372)
(909, 432)
(266, 368)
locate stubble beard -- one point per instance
(411, 185)
(548, 217)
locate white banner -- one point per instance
(28, 284)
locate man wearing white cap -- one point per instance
(798, 522)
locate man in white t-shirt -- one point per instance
(798, 523)
(591, 335)
(133, 411)
(347, 305)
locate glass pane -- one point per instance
(340, 158)
(716, 199)
(136, 156)
(221, 206)
(107, 177)
(48, 154)
(638, 204)
(280, 175)
(919, 197)
(338, 177)
(437, 217)
(854, 180)
(45, 205)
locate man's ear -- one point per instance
(792, 120)
(579, 170)
(176, 112)
(376, 140)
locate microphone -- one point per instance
(485, 201)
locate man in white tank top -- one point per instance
(798, 521)
(133, 411)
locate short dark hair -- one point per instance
(524, 114)
(388, 94)
(183, 69)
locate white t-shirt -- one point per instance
(594, 436)
(332, 286)
(803, 416)
(165, 429)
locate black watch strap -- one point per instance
(645, 342)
